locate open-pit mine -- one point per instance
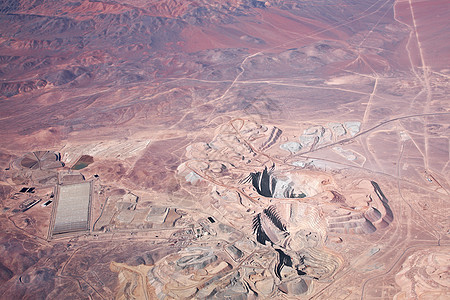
(207, 149)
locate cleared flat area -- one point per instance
(72, 212)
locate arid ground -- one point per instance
(235, 149)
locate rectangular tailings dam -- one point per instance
(73, 208)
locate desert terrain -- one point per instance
(236, 149)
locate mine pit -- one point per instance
(243, 149)
(272, 184)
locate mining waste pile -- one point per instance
(207, 149)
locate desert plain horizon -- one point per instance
(235, 149)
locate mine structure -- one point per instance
(27, 204)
